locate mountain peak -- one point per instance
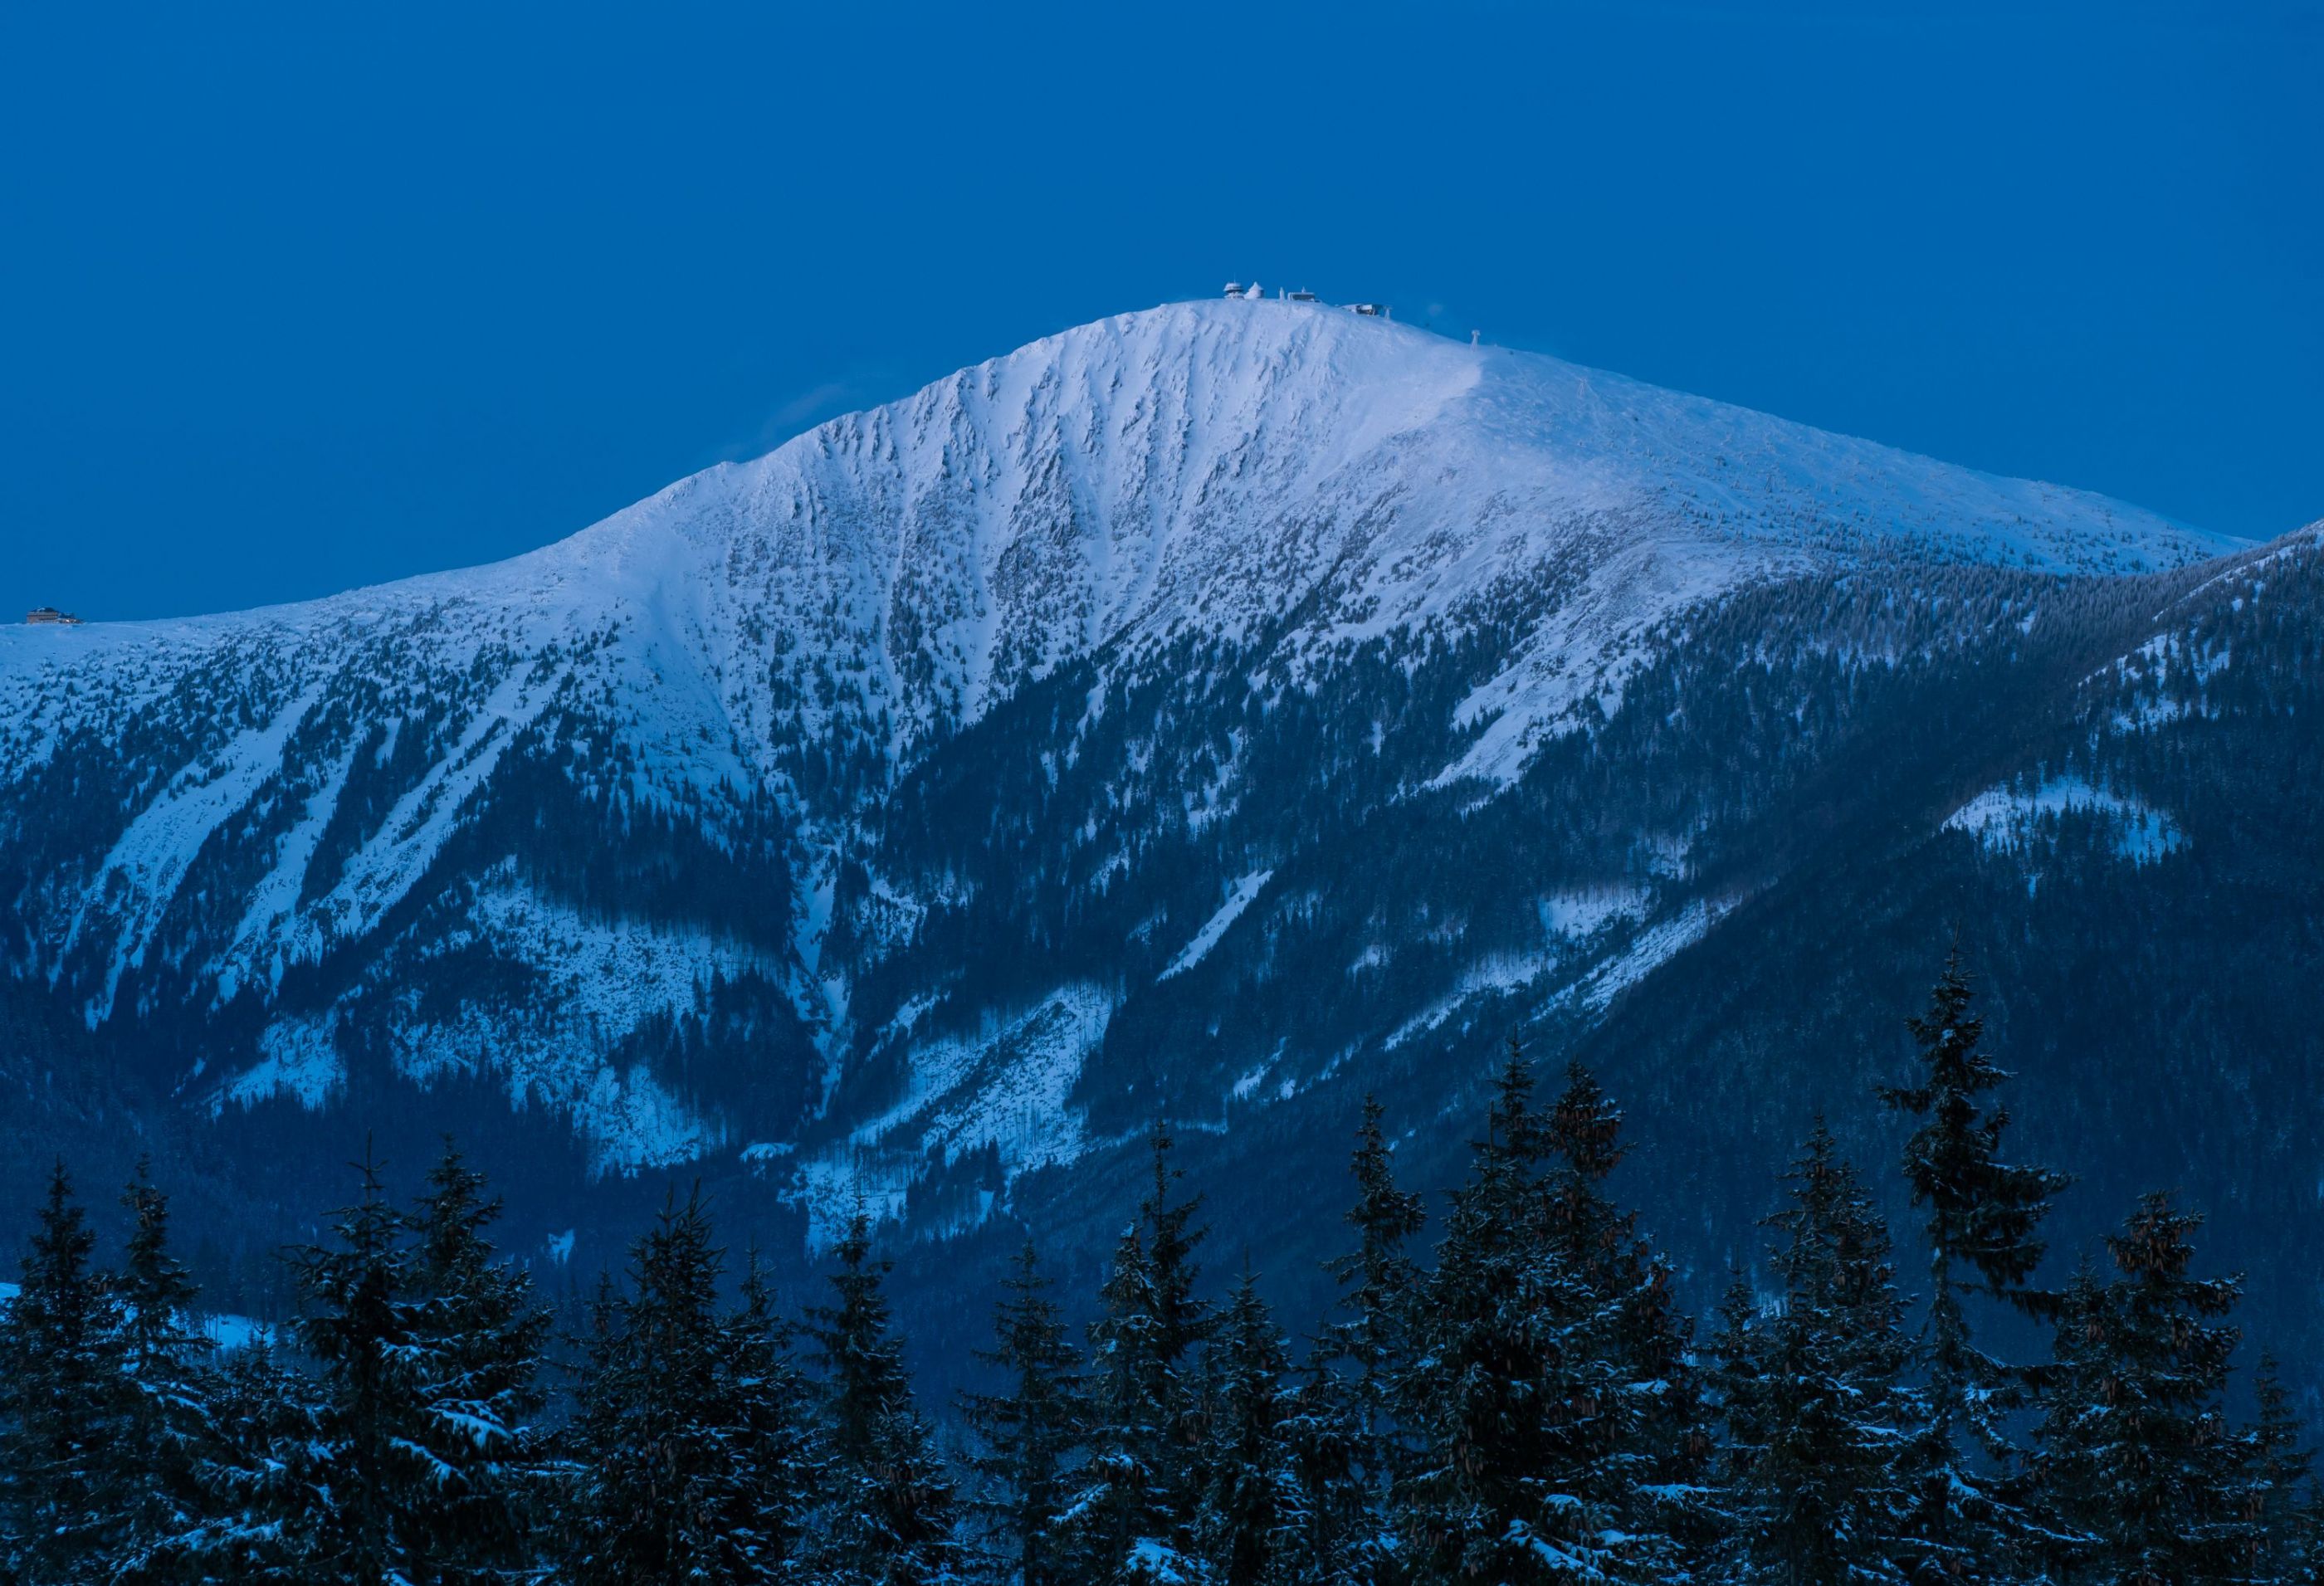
(1162, 447)
(1292, 485)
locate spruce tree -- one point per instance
(1984, 1216)
(1341, 1426)
(1652, 1445)
(1742, 1392)
(1378, 1280)
(1182, 1319)
(2277, 1539)
(1984, 1213)
(361, 1326)
(2136, 1458)
(893, 1498)
(1252, 1520)
(1123, 1499)
(1138, 1503)
(260, 1474)
(1815, 1396)
(481, 1333)
(1342, 1536)
(164, 1426)
(774, 1435)
(1032, 1433)
(63, 1391)
(684, 1455)
(1512, 1385)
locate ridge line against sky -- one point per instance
(303, 302)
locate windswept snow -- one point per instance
(598, 979)
(140, 875)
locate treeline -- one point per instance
(1517, 1396)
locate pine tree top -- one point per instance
(1838, 1254)
(1383, 1217)
(861, 1358)
(1983, 1213)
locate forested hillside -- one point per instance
(1511, 1384)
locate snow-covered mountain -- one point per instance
(921, 804)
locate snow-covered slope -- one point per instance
(265, 823)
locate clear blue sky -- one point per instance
(302, 300)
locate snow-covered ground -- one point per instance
(2004, 820)
(1207, 938)
(1005, 1085)
(224, 1332)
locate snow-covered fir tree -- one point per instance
(1654, 1437)
(1344, 1437)
(1814, 1394)
(1376, 1279)
(684, 1456)
(165, 1411)
(1134, 1512)
(2138, 1464)
(1982, 1228)
(62, 1393)
(1251, 1526)
(1123, 1503)
(371, 1516)
(1343, 1535)
(774, 1436)
(1513, 1392)
(892, 1497)
(2276, 1495)
(1031, 1434)
(481, 1333)
(259, 1474)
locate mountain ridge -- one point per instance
(1003, 375)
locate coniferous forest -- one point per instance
(1514, 1387)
